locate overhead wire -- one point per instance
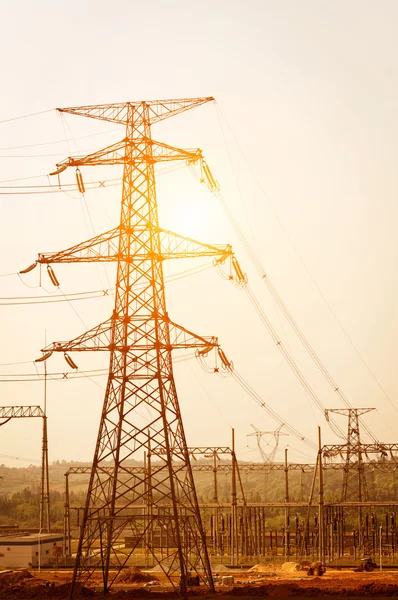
(24, 178)
(283, 307)
(251, 392)
(66, 375)
(257, 264)
(41, 112)
(20, 458)
(26, 300)
(270, 328)
(286, 354)
(55, 142)
(52, 189)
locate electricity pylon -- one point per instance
(141, 413)
(354, 480)
(268, 457)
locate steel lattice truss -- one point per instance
(20, 412)
(141, 410)
(386, 466)
(23, 412)
(268, 457)
(354, 480)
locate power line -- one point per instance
(269, 284)
(65, 375)
(41, 112)
(58, 141)
(24, 300)
(251, 392)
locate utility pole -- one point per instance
(68, 544)
(234, 520)
(45, 482)
(321, 502)
(287, 516)
(140, 394)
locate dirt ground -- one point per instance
(264, 581)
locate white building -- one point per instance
(18, 551)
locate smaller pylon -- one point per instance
(354, 480)
(268, 457)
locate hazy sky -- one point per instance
(303, 142)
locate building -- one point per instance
(32, 550)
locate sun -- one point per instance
(192, 218)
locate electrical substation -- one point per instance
(142, 508)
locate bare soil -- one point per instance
(273, 582)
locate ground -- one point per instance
(270, 581)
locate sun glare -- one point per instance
(192, 218)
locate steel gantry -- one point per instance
(140, 337)
(23, 412)
(354, 480)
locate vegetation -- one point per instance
(20, 490)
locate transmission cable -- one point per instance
(280, 302)
(73, 297)
(55, 142)
(41, 112)
(271, 330)
(251, 392)
(65, 375)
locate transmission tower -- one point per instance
(268, 457)
(141, 413)
(354, 480)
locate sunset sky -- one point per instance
(303, 141)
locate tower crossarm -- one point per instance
(347, 412)
(375, 448)
(101, 248)
(202, 450)
(86, 470)
(19, 412)
(99, 338)
(183, 338)
(142, 151)
(104, 248)
(119, 113)
(175, 245)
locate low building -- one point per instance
(33, 550)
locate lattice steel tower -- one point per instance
(354, 480)
(268, 457)
(141, 413)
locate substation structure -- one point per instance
(33, 412)
(243, 532)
